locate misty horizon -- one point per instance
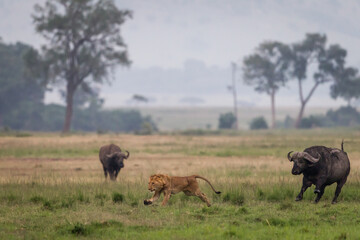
(167, 38)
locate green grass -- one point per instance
(257, 199)
(246, 211)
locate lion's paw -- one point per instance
(147, 202)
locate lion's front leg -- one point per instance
(153, 199)
(167, 196)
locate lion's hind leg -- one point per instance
(202, 196)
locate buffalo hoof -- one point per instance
(298, 199)
(333, 202)
(316, 191)
(147, 202)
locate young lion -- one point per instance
(161, 183)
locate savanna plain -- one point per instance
(52, 187)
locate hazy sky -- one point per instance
(183, 48)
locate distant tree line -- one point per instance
(22, 107)
(345, 116)
(274, 64)
(83, 45)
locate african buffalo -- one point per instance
(112, 160)
(321, 166)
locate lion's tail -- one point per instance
(197, 176)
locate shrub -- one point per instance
(344, 116)
(48, 205)
(315, 121)
(288, 122)
(260, 194)
(79, 229)
(117, 197)
(82, 198)
(258, 123)
(101, 196)
(227, 120)
(37, 199)
(274, 221)
(68, 202)
(148, 127)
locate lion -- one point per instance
(161, 183)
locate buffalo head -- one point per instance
(302, 161)
(116, 160)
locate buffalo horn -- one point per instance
(310, 158)
(128, 154)
(125, 156)
(288, 156)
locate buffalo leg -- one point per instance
(306, 184)
(319, 184)
(105, 172)
(112, 175)
(319, 194)
(116, 173)
(340, 184)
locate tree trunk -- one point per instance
(300, 115)
(69, 108)
(304, 102)
(235, 96)
(273, 124)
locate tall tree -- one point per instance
(17, 87)
(326, 64)
(232, 89)
(266, 69)
(83, 43)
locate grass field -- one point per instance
(52, 187)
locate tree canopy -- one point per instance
(325, 63)
(348, 88)
(266, 69)
(84, 44)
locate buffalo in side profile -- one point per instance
(321, 166)
(112, 160)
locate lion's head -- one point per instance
(157, 182)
